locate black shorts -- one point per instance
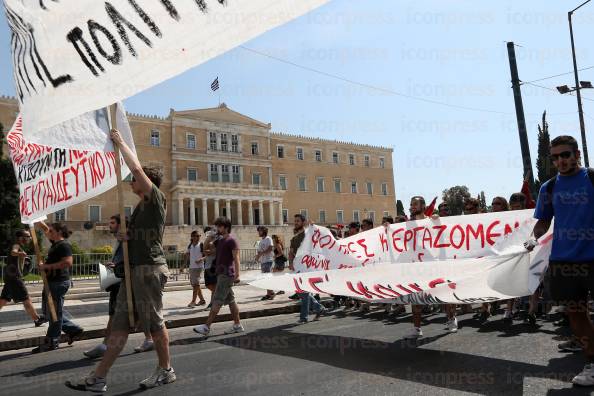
(113, 297)
(570, 283)
(279, 264)
(210, 277)
(14, 290)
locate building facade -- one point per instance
(218, 162)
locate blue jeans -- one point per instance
(307, 300)
(58, 291)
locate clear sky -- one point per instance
(445, 51)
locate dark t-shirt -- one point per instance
(296, 241)
(12, 271)
(56, 252)
(224, 260)
(147, 224)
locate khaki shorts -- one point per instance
(223, 294)
(148, 282)
(195, 274)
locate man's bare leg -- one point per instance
(115, 344)
(234, 312)
(161, 342)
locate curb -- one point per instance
(32, 342)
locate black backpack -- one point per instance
(548, 199)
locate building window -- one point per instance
(322, 217)
(302, 183)
(128, 212)
(192, 174)
(235, 143)
(351, 159)
(382, 162)
(369, 188)
(356, 217)
(212, 141)
(254, 148)
(335, 157)
(256, 179)
(60, 215)
(303, 213)
(384, 188)
(225, 176)
(386, 214)
(366, 161)
(299, 153)
(236, 173)
(285, 216)
(282, 182)
(213, 174)
(339, 217)
(155, 138)
(320, 184)
(354, 187)
(318, 156)
(372, 216)
(280, 151)
(224, 142)
(191, 141)
(337, 186)
(94, 213)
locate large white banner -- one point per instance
(449, 272)
(71, 57)
(54, 178)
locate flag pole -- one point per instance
(46, 289)
(112, 119)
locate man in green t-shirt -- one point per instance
(148, 277)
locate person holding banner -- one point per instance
(14, 287)
(57, 267)
(568, 198)
(149, 274)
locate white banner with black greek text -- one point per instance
(71, 57)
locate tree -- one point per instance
(454, 197)
(9, 199)
(483, 202)
(544, 165)
(400, 208)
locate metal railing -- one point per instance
(86, 266)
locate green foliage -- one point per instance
(483, 202)
(454, 197)
(544, 166)
(76, 249)
(400, 208)
(107, 249)
(9, 199)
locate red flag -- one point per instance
(530, 204)
(429, 210)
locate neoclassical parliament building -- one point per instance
(218, 162)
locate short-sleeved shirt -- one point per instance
(296, 241)
(12, 271)
(224, 261)
(195, 253)
(146, 230)
(264, 244)
(55, 254)
(573, 210)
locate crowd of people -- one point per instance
(568, 198)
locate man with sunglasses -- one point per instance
(569, 199)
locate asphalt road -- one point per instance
(339, 355)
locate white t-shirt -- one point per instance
(264, 244)
(195, 254)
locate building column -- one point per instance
(261, 212)
(216, 208)
(271, 210)
(228, 208)
(192, 212)
(280, 213)
(250, 213)
(239, 213)
(180, 211)
(204, 211)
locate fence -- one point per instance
(86, 266)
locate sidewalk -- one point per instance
(91, 314)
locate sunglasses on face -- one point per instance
(563, 154)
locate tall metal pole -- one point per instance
(578, 93)
(513, 67)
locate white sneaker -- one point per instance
(160, 377)
(89, 383)
(147, 345)
(453, 325)
(236, 328)
(414, 334)
(202, 329)
(586, 377)
(96, 352)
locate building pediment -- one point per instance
(220, 114)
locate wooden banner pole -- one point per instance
(48, 293)
(112, 117)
